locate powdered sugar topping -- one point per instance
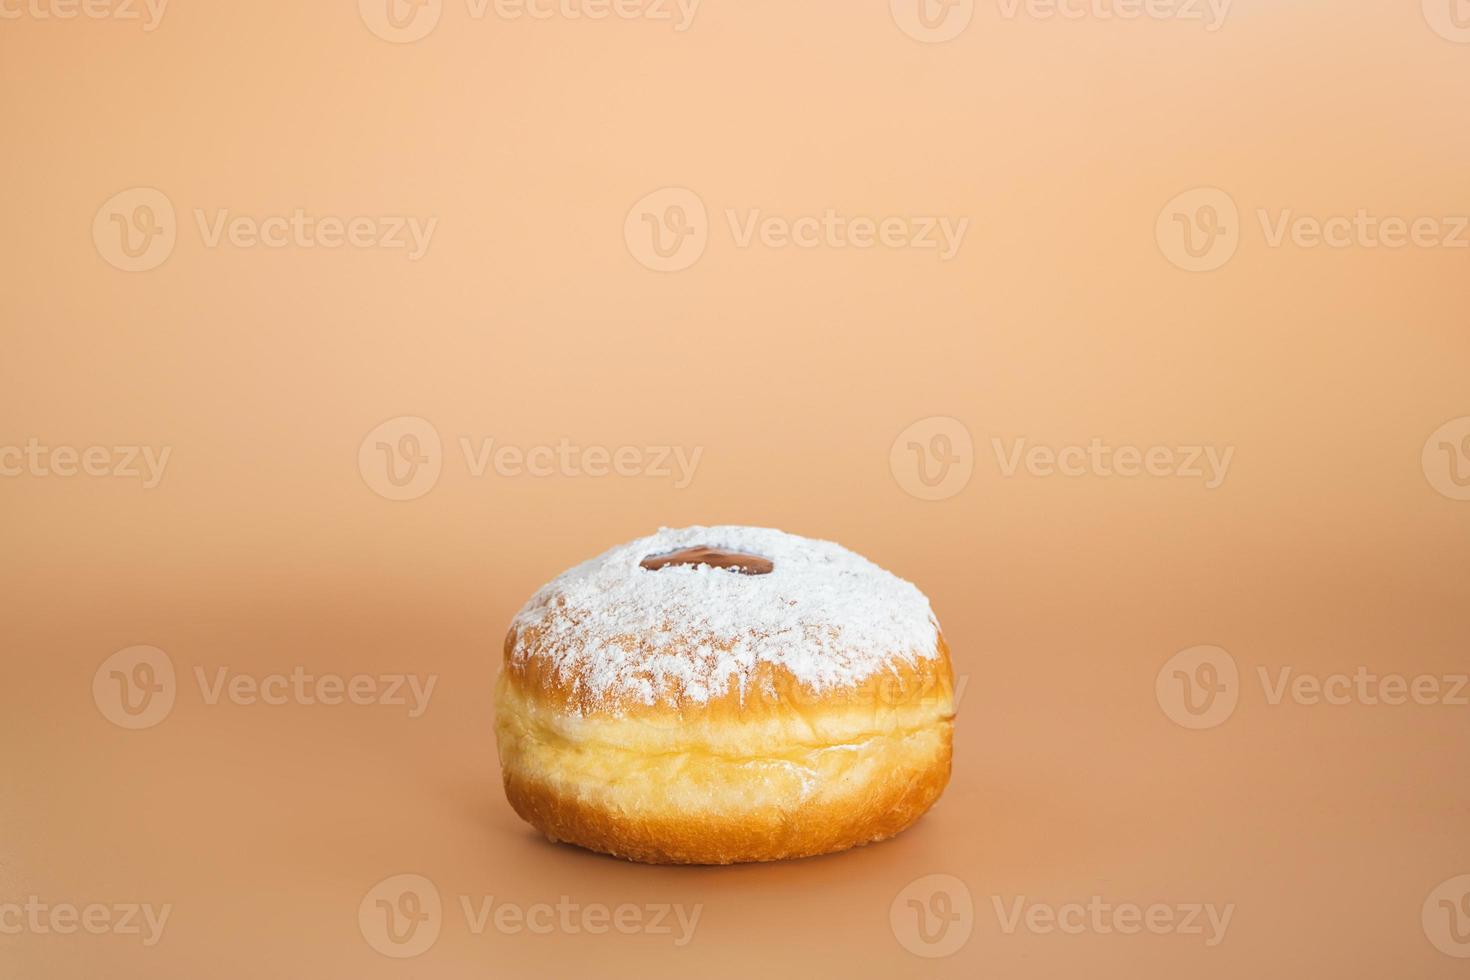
(619, 632)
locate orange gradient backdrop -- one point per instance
(1333, 541)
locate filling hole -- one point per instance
(713, 557)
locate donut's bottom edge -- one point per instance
(848, 814)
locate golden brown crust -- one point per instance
(784, 771)
(875, 813)
(771, 689)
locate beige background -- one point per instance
(1063, 318)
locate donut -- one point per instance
(713, 695)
